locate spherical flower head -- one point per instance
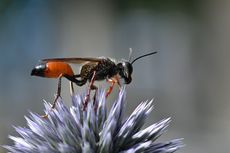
(94, 130)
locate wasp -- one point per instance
(92, 69)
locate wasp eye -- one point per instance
(128, 68)
(125, 71)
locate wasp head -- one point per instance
(125, 71)
(39, 70)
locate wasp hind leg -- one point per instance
(71, 80)
(76, 81)
(81, 83)
(58, 94)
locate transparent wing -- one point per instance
(75, 60)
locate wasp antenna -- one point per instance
(130, 53)
(143, 56)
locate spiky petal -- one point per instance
(95, 130)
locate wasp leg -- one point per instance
(91, 87)
(94, 97)
(77, 75)
(110, 87)
(71, 88)
(76, 81)
(117, 80)
(58, 94)
(81, 83)
(113, 80)
(72, 79)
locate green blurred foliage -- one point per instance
(4, 4)
(189, 6)
(13, 5)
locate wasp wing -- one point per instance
(75, 60)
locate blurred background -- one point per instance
(189, 77)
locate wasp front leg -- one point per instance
(112, 81)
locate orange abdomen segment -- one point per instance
(55, 69)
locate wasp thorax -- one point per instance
(125, 71)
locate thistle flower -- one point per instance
(95, 130)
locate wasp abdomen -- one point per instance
(55, 69)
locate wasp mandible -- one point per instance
(92, 69)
